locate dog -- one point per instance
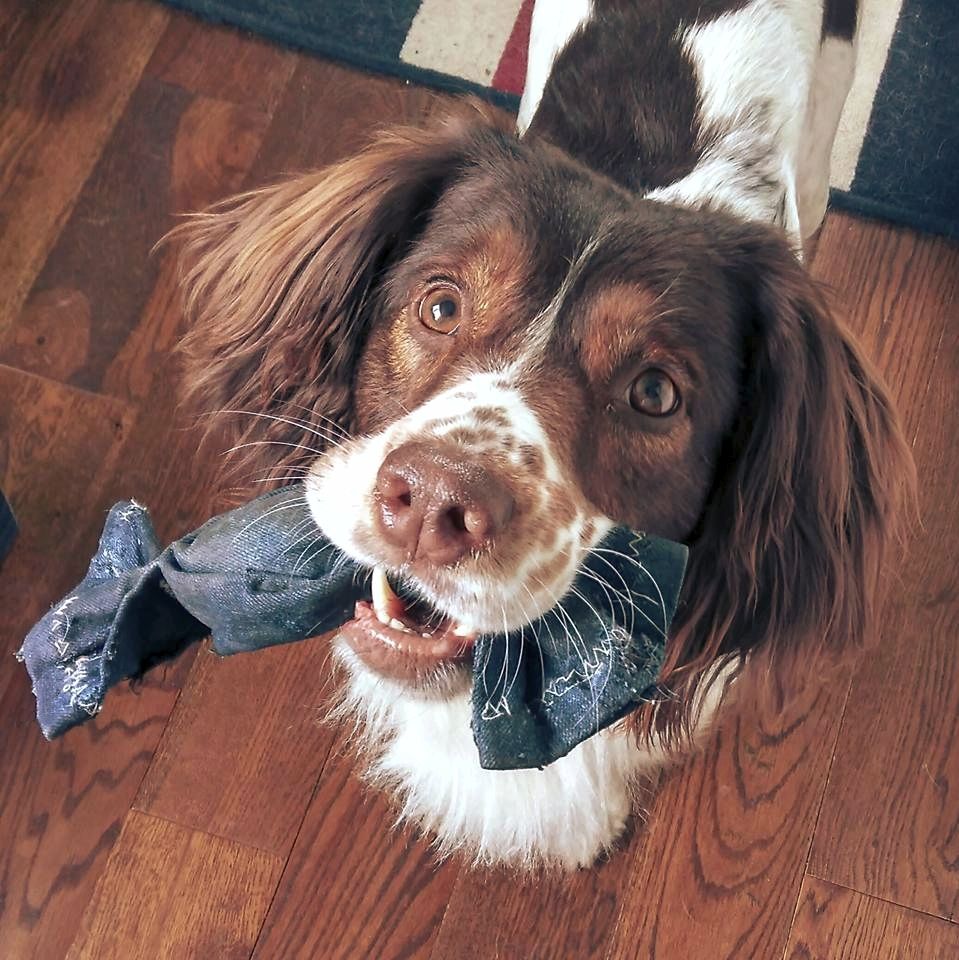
(480, 347)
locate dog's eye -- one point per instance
(441, 308)
(654, 393)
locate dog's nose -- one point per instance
(434, 503)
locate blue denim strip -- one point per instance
(262, 574)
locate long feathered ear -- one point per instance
(810, 491)
(279, 286)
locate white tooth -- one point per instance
(382, 594)
(397, 625)
(427, 636)
(461, 631)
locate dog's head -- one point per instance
(482, 355)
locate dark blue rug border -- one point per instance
(910, 153)
(879, 210)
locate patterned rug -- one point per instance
(896, 155)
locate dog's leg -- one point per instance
(831, 82)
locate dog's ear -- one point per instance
(810, 489)
(279, 285)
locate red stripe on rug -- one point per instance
(510, 74)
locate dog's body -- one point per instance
(537, 338)
(728, 104)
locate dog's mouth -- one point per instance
(402, 636)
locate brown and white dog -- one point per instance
(483, 347)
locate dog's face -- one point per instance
(524, 355)
(536, 369)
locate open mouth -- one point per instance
(402, 636)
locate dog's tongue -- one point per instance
(399, 652)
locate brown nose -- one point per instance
(435, 504)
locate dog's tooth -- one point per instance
(399, 625)
(382, 595)
(460, 631)
(427, 636)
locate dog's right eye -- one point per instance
(441, 308)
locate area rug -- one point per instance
(896, 155)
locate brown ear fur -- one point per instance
(279, 286)
(809, 495)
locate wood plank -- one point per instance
(64, 803)
(245, 746)
(382, 892)
(55, 444)
(66, 77)
(835, 923)
(221, 63)
(61, 805)
(495, 913)
(169, 892)
(171, 152)
(329, 111)
(712, 873)
(889, 284)
(888, 822)
(721, 864)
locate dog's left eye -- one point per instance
(654, 393)
(441, 308)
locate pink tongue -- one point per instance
(396, 654)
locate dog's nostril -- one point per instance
(457, 519)
(394, 489)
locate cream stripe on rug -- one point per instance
(461, 37)
(877, 23)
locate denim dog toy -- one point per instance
(245, 578)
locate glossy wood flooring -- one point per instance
(208, 813)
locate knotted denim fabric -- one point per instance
(262, 574)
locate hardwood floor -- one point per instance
(207, 813)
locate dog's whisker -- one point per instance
(662, 603)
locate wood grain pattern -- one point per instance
(889, 818)
(354, 887)
(721, 863)
(329, 111)
(60, 805)
(66, 73)
(834, 923)
(897, 291)
(221, 63)
(169, 892)
(55, 445)
(171, 152)
(494, 913)
(243, 750)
